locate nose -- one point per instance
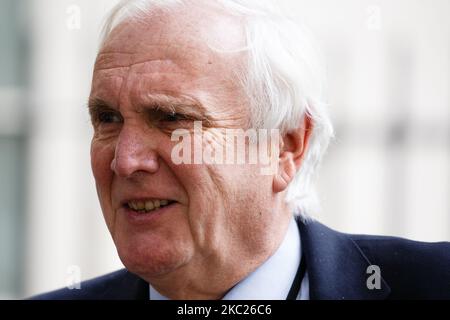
(134, 153)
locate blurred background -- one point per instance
(387, 172)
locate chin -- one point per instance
(150, 258)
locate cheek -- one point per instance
(101, 157)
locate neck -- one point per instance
(211, 277)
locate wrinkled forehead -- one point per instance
(198, 34)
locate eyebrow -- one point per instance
(171, 103)
(157, 101)
(95, 105)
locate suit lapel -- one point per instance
(127, 286)
(336, 266)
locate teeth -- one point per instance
(141, 205)
(147, 206)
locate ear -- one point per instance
(292, 153)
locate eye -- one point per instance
(173, 117)
(109, 117)
(166, 118)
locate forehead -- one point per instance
(166, 52)
(196, 35)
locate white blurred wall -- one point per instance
(65, 227)
(387, 172)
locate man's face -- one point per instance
(216, 214)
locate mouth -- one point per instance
(148, 205)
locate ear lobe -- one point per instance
(294, 146)
(285, 174)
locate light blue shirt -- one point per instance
(273, 279)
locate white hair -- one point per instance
(284, 78)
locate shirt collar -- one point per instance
(270, 281)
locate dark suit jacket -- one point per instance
(337, 267)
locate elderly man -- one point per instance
(225, 229)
